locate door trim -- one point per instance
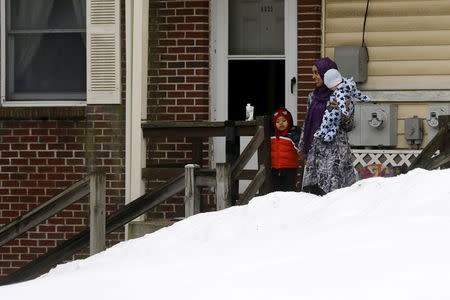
(220, 58)
(291, 53)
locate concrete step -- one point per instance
(140, 228)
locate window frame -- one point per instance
(6, 72)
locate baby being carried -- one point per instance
(344, 90)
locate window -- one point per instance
(44, 51)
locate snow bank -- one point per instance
(382, 238)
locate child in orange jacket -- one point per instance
(284, 151)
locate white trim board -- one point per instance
(43, 103)
(409, 96)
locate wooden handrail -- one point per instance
(228, 191)
(81, 240)
(194, 128)
(44, 211)
(428, 151)
(247, 154)
(254, 185)
(438, 161)
(441, 142)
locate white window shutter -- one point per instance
(103, 52)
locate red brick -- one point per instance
(17, 132)
(197, 19)
(37, 250)
(204, 4)
(5, 264)
(175, 4)
(47, 243)
(185, 72)
(36, 192)
(10, 214)
(19, 206)
(28, 257)
(11, 257)
(9, 169)
(36, 235)
(18, 161)
(8, 154)
(55, 236)
(184, 12)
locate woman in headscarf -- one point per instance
(328, 165)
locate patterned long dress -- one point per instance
(329, 164)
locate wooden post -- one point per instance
(97, 208)
(232, 149)
(191, 191)
(197, 149)
(223, 188)
(444, 122)
(264, 154)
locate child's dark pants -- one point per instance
(284, 179)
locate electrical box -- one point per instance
(434, 111)
(352, 62)
(413, 130)
(354, 136)
(375, 125)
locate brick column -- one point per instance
(309, 47)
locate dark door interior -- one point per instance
(259, 82)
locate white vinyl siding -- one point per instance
(103, 52)
(408, 40)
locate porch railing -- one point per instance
(225, 177)
(437, 153)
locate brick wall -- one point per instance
(38, 159)
(45, 150)
(177, 82)
(309, 47)
(178, 60)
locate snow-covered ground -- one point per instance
(382, 238)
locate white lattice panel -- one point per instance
(386, 158)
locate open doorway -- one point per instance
(259, 82)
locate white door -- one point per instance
(254, 60)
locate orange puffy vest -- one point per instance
(283, 153)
